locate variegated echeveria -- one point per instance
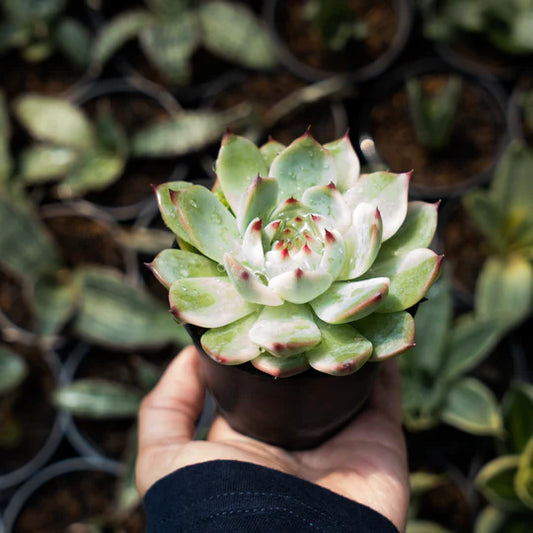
(296, 259)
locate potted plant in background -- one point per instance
(505, 481)
(303, 268)
(319, 39)
(482, 36)
(448, 126)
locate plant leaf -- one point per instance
(350, 300)
(518, 416)
(93, 171)
(74, 41)
(26, 249)
(208, 302)
(169, 45)
(238, 163)
(472, 407)
(116, 32)
(524, 476)
(231, 345)
(232, 31)
(168, 210)
(43, 162)
(346, 161)
(504, 291)
(281, 367)
(410, 276)
(115, 313)
(54, 299)
(270, 150)
(341, 351)
(55, 120)
(417, 231)
(5, 136)
(208, 225)
(303, 164)
(386, 191)
(188, 132)
(390, 334)
(257, 201)
(433, 323)
(286, 330)
(97, 398)
(496, 482)
(13, 370)
(362, 241)
(171, 265)
(470, 342)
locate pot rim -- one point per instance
(404, 16)
(52, 441)
(75, 464)
(489, 89)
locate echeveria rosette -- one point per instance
(295, 259)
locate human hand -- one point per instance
(365, 462)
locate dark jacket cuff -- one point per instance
(224, 496)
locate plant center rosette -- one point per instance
(295, 259)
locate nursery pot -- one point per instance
(297, 412)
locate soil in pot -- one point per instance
(110, 436)
(475, 142)
(264, 91)
(309, 47)
(66, 501)
(27, 414)
(14, 303)
(84, 240)
(462, 244)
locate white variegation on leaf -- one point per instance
(295, 260)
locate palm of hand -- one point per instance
(365, 462)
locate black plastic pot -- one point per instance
(50, 444)
(295, 413)
(275, 17)
(79, 467)
(489, 93)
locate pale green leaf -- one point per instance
(97, 398)
(55, 120)
(44, 162)
(118, 31)
(116, 313)
(233, 32)
(13, 370)
(472, 407)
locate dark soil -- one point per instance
(263, 91)
(14, 303)
(30, 409)
(462, 245)
(475, 141)
(309, 47)
(82, 240)
(74, 498)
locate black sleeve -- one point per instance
(233, 496)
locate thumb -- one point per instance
(169, 412)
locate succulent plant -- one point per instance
(336, 22)
(39, 29)
(295, 259)
(504, 289)
(433, 115)
(507, 27)
(506, 481)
